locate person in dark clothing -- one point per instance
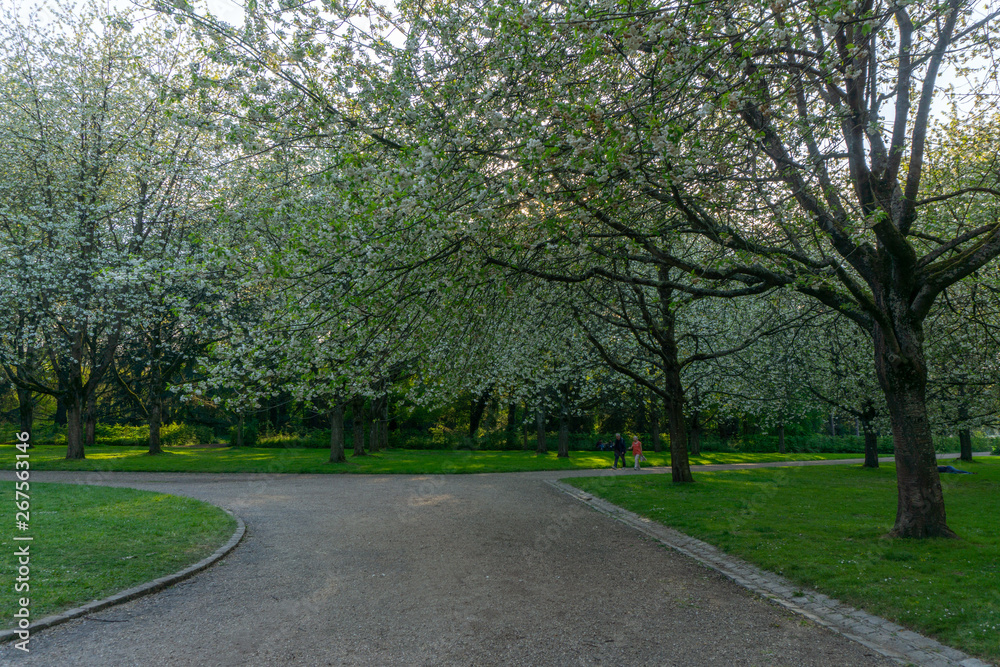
(619, 447)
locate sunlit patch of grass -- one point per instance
(825, 527)
(90, 542)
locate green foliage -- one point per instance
(251, 435)
(185, 434)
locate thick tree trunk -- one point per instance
(680, 468)
(25, 410)
(871, 446)
(511, 425)
(90, 421)
(238, 439)
(902, 373)
(964, 434)
(965, 445)
(59, 418)
(477, 409)
(337, 433)
(540, 447)
(695, 435)
(358, 410)
(74, 426)
(563, 430)
(781, 438)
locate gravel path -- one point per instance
(433, 570)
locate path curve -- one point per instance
(430, 570)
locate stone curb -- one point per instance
(136, 591)
(888, 639)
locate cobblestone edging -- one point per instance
(136, 591)
(878, 634)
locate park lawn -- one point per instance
(90, 542)
(304, 460)
(825, 528)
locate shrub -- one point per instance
(250, 436)
(184, 434)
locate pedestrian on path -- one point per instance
(619, 448)
(636, 450)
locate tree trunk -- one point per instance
(563, 429)
(477, 409)
(90, 419)
(239, 433)
(964, 435)
(695, 434)
(59, 417)
(74, 426)
(871, 446)
(337, 433)
(358, 414)
(654, 425)
(540, 431)
(902, 373)
(781, 438)
(680, 468)
(26, 410)
(155, 413)
(511, 425)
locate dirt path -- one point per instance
(455, 570)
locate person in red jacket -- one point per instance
(636, 450)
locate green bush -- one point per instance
(184, 434)
(250, 435)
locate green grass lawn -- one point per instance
(303, 460)
(824, 527)
(92, 541)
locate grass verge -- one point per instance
(305, 460)
(93, 541)
(825, 528)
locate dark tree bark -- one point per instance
(867, 416)
(781, 438)
(337, 433)
(511, 424)
(59, 418)
(155, 417)
(477, 409)
(695, 434)
(358, 414)
(902, 373)
(871, 448)
(563, 427)
(240, 423)
(379, 411)
(964, 435)
(26, 410)
(90, 420)
(654, 424)
(541, 447)
(155, 413)
(74, 427)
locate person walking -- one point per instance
(636, 450)
(619, 448)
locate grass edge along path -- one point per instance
(311, 461)
(90, 542)
(824, 527)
